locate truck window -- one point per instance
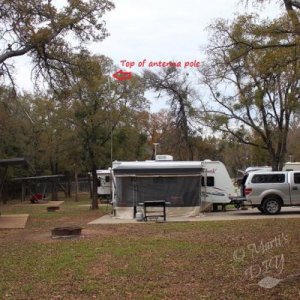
(268, 178)
(210, 181)
(297, 177)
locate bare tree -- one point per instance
(175, 85)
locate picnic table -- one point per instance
(151, 213)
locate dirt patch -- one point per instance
(44, 236)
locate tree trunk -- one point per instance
(68, 187)
(94, 189)
(182, 121)
(54, 195)
(76, 185)
(277, 162)
(278, 156)
(2, 184)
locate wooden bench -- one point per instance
(150, 213)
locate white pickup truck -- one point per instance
(269, 191)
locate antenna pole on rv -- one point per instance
(155, 149)
(111, 125)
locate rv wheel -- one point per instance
(271, 205)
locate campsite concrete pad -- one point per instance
(100, 205)
(108, 219)
(13, 221)
(230, 215)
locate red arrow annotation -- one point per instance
(122, 75)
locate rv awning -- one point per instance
(12, 162)
(157, 169)
(38, 178)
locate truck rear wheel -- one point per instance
(271, 205)
(260, 208)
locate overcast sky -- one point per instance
(156, 30)
(162, 29)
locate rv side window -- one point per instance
(297, 177)
(107, 178)
(268, 178)
(210, 181)
(99, 182)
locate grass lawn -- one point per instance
(201, 260)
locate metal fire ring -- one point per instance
(66, 232)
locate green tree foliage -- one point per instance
(161, 128)
(32, 126)
(260, 88)
(293, 141)
(12, 124)
(100, 106)
(49, 33)
(70, 131)
(287, 25)
(129, 143)
(49, 134)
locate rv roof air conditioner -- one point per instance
(163, 157)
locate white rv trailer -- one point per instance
(288, 166)
(189, 186)
(258, 168)
(219, 186)
(177, 183)
(104, 188)
(291, 166)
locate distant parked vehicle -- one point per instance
(269, 191)
(291, 166)
(104, 183)
(258, 168)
